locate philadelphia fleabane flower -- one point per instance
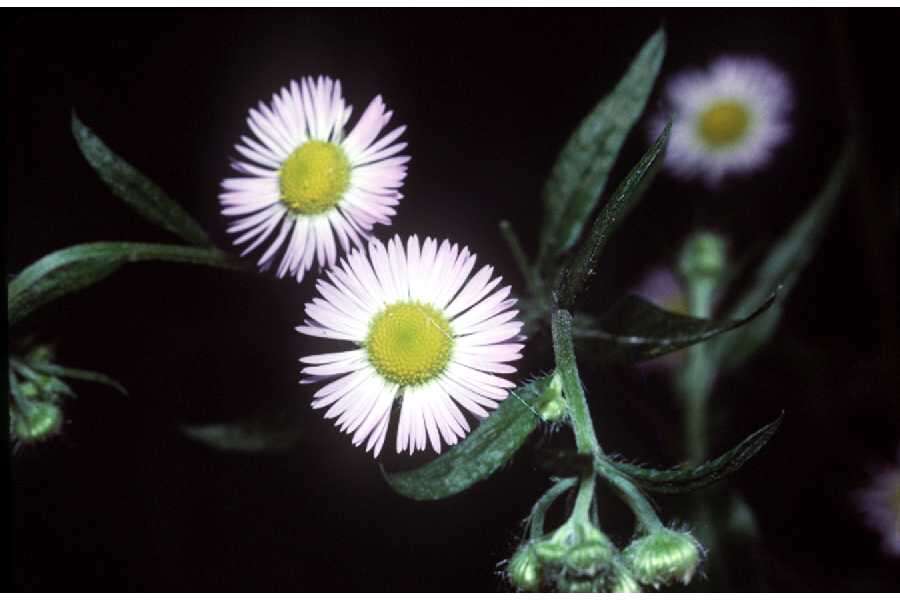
(423, 331)
(880, 503)
(303, 180)
(726, 119)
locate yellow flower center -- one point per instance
(314, 177)
(724, 123)
(409, 343)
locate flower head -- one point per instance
(424, 331)
(302, 180)
(664, 557)
(726, 119)
(880, 503)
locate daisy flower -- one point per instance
(302, 180)
(423, 331)
(726, 119)
(880, 503)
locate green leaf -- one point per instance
(782, 268)
(484, 451)
(635, 329)
(255, 434)
(580, 174)
(680, 481)
(77, 267)
(68, 373)
(579, 270)
(141, 194)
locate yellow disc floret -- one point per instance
(723, 123)
(409, 343)
(314, 177)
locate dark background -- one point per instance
(121, 500)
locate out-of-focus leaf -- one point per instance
(77, 267)
(478, 456)
(680, 481)
(256, 434)
(66, 372)
(582, 169)
(635, 329)
(576, 275)
(141, 194)
(781, 268)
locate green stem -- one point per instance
(647, 518)
(536, 522)
(582, 511)
(585, 437)
(695, 380)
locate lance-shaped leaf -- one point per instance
(576, 275)
(680, 481)
(264, 433)
(478, 456)
(781, 269)
(580, 174)
(77, 267)
(635, 329)
(139, 192)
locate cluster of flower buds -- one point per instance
(34, 404)
(580, 558)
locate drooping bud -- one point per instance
(43, 420)
(664, 557)
(592, 554)
(623, 582)
(524, 569)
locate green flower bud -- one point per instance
(703, 256)
(575, 586)
(623, 582)
(664, 557)
(592, 555)
(553, 406)
(42, 421)
(524, 569)
(552, 549)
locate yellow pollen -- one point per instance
(314, 177)
(724, 123)
(409, 343)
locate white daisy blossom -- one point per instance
(880, 503)
(726, 119)
(303, 181)
(424, 331)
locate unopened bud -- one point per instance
(524, 569)
(553, 407)
(592, 555)
(663, 557)
(43, 420)
(703, 256)
(623, 582)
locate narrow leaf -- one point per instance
(781, 269)
(251, 435)
(484, 451)
(68, 373)
(680, 481)
(635, 329)
(77, 267)
(580, 174)
(141, 194)
(576, 275)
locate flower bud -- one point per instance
(592, 555)
(664, 557)
(553, 405)
(42, 421)
(524, 569)
(703, 256)
(575, 585)
(623, 582)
